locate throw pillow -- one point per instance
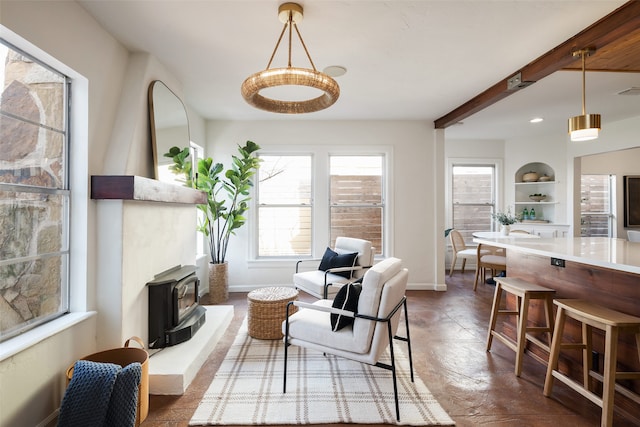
(344, 260)
(346, 299)
(326, 259)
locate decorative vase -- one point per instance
(505, 230)
(218, 282)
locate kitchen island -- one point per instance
(617, 254)
(599, 269)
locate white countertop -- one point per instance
(499, 235)
(617, 254)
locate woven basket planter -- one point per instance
(218, 282)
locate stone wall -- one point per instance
(32, 151)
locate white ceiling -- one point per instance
(413, 60)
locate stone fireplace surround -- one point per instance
(146, 227)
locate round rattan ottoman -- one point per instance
(267, 309)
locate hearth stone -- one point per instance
(172, 369)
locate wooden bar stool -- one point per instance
(524, 292)
(611, 322)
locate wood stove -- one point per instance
(174, 312)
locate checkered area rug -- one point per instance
(247, 389)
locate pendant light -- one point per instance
(290, 14)
(587, 126)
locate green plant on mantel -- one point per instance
(227, 193)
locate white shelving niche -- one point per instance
(544, 225)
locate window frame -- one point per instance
(382, 204)
(320, 233)
(496, 163)
(257, 205)
(611, 215)
(61, 190)
(77, 175)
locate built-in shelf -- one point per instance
(131, 187)
(536, 203)
(536, 183)
(545, 209)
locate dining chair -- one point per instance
(633, 235)
(491, 260)
(460, 250)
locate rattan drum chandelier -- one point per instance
(290, 14)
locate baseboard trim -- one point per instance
(410, 287)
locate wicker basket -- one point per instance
(267, 309)
(123, 357)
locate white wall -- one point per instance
(413, 187)
(33, 380)
(566, 158)
(551, 150)
(481, 149)
(117, 138)
(614, 136)
(619, 162)
(466, 149)
(152, 239)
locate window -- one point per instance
(285, 206)
(308, 196)
(356, 198)
(473, 196)
(34, 192)
(595, 205)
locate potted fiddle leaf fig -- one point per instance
(227, 201)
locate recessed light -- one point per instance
(335, 70)
(536, 120)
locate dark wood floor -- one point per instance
(448, 331)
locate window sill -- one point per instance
(272, 263)
(28, 339)
(289, 262)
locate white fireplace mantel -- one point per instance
(132, 187)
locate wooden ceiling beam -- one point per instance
(610, 29)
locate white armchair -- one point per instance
(325, 283)
(374, 327)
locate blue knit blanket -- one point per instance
(101, 394)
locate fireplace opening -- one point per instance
(175, 314)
